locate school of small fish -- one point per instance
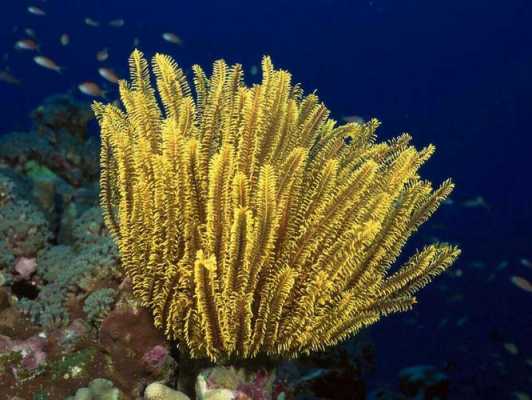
(31, 44)
(515, 271)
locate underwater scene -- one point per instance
(285, 200)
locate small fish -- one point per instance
(315, 374)
(511, 348)
(136, 42)
(448, 201)
(91, 89)
(254, 70)
(102, 55)
(521, 396)
(525, 262)
(521, 283)
(108, 74)
(478, 264)
(476, 202)
(353, 118)
(502, 265)
(26, 44)
(30, 32)
(172, 38)
(7, 77)
(36, 10)
(64, 39)
(117, 23)
(91, 22)
(47, 63)
(461, 322)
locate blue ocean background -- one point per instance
(455, 73)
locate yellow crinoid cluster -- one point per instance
(246, 222)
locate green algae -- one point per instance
(72, 365)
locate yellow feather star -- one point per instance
(245, 222)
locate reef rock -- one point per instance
(158, 391)
(228, 383)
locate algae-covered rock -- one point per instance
(7, 260)
(83, 394)
(158, 391)
(18, 147)
(226, 383)
(60, 116)
(13, 186)
(66, 269)
(98, 389)
(24, 228)
(98, 304)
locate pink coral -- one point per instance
(32, 351)
(240, 384)
(259, 388)
(155, 357)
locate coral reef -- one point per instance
(13, 186)
(246, 221)
(59, 143)
(68, 272)
(16, 148)
(7, 259)
(24, 228)
(98, 304)
(59, 275)
(57, 261)
(61, 116)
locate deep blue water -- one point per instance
(454, 73)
